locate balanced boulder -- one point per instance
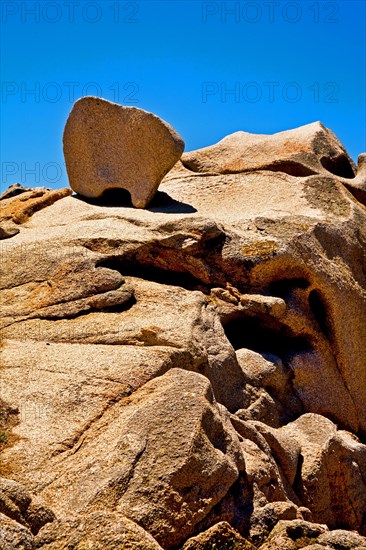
(109, 146)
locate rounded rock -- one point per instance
(109, 146)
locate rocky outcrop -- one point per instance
(20, 203)
(328, 458)
(13, 536)
(309, 150)
(18, 504)
(290, 535)
(222, 536)
(109, 146)
(189, 375)
(172, 455)
(22, 515)
(305, 151)
(98, 530)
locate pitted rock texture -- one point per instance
(109, 146)
(193, 374)
(222, 536)
(14, 536)
(97, 531)
(17, 503)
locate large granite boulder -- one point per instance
(109, 146)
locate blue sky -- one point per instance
(208, 68)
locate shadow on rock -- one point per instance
(162, 202)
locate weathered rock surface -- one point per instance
(109, 146)
(357, 186)
(305, 151)
(22, 515)
(98, 530)
(192, 374)
(290, 535)
(222, 536)
(329, 457)
(172, 455)
(18, 504)
(14, 190)
(342, 540)
(19, 203)
(14, 536)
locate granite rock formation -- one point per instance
(109, 146)
(191, 375)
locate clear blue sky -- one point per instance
(287, 64)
